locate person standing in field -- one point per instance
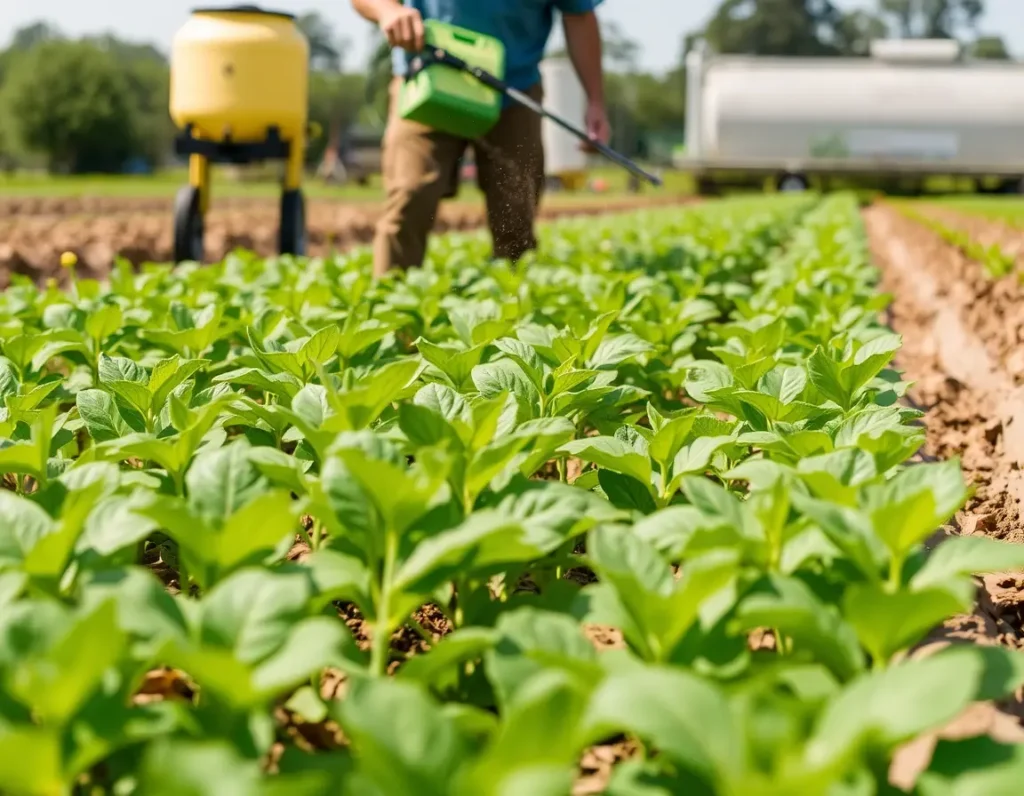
(420, 165)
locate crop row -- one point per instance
(996, 262)
(655, 484)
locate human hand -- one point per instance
(403, 27)
(596, 123)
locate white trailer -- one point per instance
(913, 109)
(565, 162)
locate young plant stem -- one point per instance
(896, 572)
(183, 578)
(459, 614)
(381, 643)
(318, 534)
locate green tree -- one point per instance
(334, 104)
(72, 103)
(775, 27)
(932, 19)
(147, 75)
(991, 48)
(326, 51)
(29, 36)
(856, 30)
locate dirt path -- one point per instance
(974, 411)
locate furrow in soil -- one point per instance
(955, 355)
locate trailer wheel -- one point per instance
(292, 236)
(1014, 186)
(792, 183)
(707, 187)
(188, 225)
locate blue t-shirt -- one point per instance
(523, 26)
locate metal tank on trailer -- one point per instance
(564, 160)
(913, 108)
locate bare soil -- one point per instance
(99, 229)
(960, 331)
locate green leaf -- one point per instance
(536, 744)
(889, 707)
(169, 374)
(279, 362)
(670, 437)
(972, 767)
(506, 375)
(100, 414)
(530, 642)
(136, 395)
(694, 728)
(58, 685)
(172, 767)
(826, 375)
(455, 363)
(625, 492)
(443, 401)
(313, 645)
(115, 525)
(424, 426)
(887, 622)
(613, 454)
(252, 612)
(283, 385)
(120, 369)
(485, 539)
(323, 345)
(790, 607)
(836, 476)
(617, 350)
(968, 555)
(31, 760)
(913, 504)
(440, 668)
(22, 524)
(407, 746)
(257, 528)
(280, 468)
(222, 481)
(653, 609)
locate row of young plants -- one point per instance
(996, 262)
(228, 487)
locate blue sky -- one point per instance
(657, 24)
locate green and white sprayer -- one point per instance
(456, 86)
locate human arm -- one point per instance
(583, 42)
(401, 25)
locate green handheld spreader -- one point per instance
(456, 84)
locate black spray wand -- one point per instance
(440, 56)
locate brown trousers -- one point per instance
(419, 165)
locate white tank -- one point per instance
(908, 102)
(563, 95)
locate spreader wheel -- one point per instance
(188, 226)
(292, 237)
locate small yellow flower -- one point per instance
(51, 284)
(68, 260)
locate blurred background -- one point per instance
(84, 90)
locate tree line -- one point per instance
(99, 103)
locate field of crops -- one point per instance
(656, 512)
